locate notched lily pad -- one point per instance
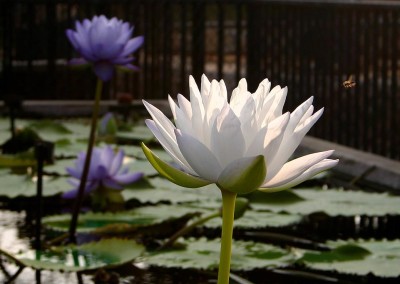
(106, 253)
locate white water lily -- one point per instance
(241, 145)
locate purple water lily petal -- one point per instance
(122, 60)
(76, 173)
(70, 194)
(132, 67)
(132, 45)
(105, 43)
(105, 170)
(74, 182)
(111, 184)
(128, 178)
(100, 173)
(117, 162)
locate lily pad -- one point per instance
(24, 185)
(137, 152)
(50, 130)
(333, 202)
(138, 133)
(106, 253)
(381, 258)
(164, 191)
(256, 220)
(69, 147)
(143, 166)
(204, 254)
(139, 217)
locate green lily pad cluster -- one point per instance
(160, 203)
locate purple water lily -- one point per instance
(105, 170)
(104, 43)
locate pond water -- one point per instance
(14, 237)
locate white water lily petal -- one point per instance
(171, 147)
(275, 133)
(182, 122)
(257, 145)
(292, 141)
(205, 86)
(214, 141)
(264, 111)
(197, 109)
(294, 168)
(240, 97)
(298, 114)
(260, 94)
(314, 170)
(212, 90)
(173, 106)
(163, 123)
(307, 114)
(223, 91)
(276, 107)
(243, 175)
(185, 106)
(164, 132)
(279, 102)
(199, 157)
(227, 141)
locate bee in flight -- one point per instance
(349, 83)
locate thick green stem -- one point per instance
(228, 213)
(92, 136)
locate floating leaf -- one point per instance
(50, 130)
(139, 217)
(137, 152)
(381, 258)
(256, 219)
(79, 128)
(204, 254)
(106, 253)
(164, 191)
(69, 147)
(137, 134)
(139, 166)
(23, 185)
(333, 202)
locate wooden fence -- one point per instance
(310, 46)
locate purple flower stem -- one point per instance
(81, 190)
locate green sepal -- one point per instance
(244, 175)
(241, 206)
(172, 174)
